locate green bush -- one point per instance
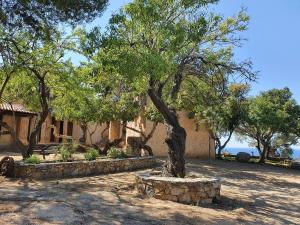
(65, 151)
(116, 153)
(33, 159)
(91, 154)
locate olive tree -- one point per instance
(272, 120)
(155, 45)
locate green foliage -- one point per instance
(91, 154)
(116, 153)
(272, 120)
(33, 159)
(221, 105)
(90, 96)
(153, 46)
(66, 151)
(41, 17)
(42, 62)
(174, 28)
(283, 143)
(152, 114)
(158, 44)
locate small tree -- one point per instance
(90, 99)
(155, 45)
(78, 102)
(272, 115)
(40, 19)
(42, 71)
(10, 66)
(220, 105)
(283, 143)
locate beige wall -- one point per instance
(77, 132)
(197, 142)
(6, 141)
(46, 130)
(96, 137)
(114, 130)
(23, 130)
(137, 124)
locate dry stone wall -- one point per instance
(184, 190)
(81, 168)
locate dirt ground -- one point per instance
(251, 194)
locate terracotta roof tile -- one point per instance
(16, 107)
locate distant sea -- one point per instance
(254, 152)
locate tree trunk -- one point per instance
(83, 127)
(91, 133)
(33, 135)
(220, 149)
(176, 137)
(263, 154)
(219, 145)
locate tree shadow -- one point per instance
(249, 195)
(263, 191)
(107, 199)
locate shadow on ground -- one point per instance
(251, 194)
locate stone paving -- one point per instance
(251, 194)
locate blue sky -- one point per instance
(273, 41)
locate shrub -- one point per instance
(116, 153)
(65, 151)
(91, 154)
(33, 159)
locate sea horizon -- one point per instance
(253, 151)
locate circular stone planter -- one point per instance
(184, 190)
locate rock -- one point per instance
(176, 191)
(296, 164)
(243, 157)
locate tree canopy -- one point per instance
(221, 105)
(155, 45)
(271, 117)
(42, 16)
(32, 48)
(38, 80)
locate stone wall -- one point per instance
(184, 190)
(81, 168)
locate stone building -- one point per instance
(24, 121)
(198, 145)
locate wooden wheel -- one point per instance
(7, 165)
